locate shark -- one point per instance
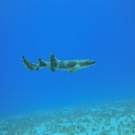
(55, 64)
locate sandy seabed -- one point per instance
(108, 118)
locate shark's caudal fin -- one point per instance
(32, 66)
(29, 65)
(53, 63)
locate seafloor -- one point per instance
(108, 118)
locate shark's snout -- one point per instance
(93, 62)
(89, 62)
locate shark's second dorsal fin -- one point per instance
(42, 63)
(53, 63)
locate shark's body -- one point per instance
(55, 64)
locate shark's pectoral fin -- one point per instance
(29, 65)
(72, 70)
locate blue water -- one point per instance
(103, 31)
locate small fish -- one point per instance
(56, 64)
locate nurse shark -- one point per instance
(55, 64)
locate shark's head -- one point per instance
(86, 63)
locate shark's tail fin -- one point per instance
(32, 66)
(53, 63)
(29, 65)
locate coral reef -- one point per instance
(117, 117)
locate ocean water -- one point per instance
(102, 31)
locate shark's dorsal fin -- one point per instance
(53, 63)
(42, 63)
